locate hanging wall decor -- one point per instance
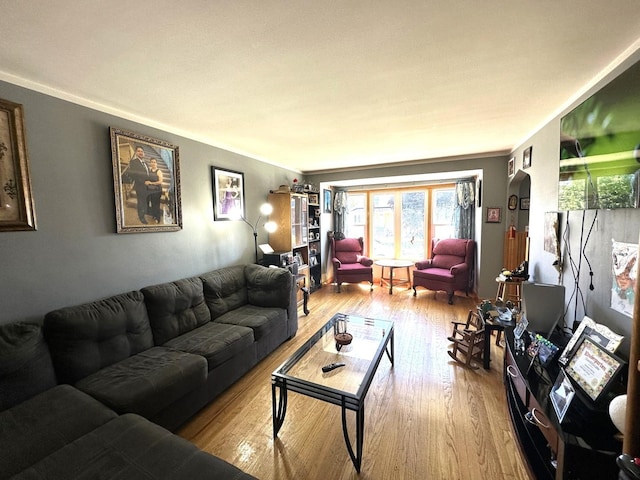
(146, 181)
(16, 200)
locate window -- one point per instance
(356, 223)
(400, 223)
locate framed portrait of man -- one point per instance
(146, 182)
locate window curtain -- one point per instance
(464, 212)
(340, 211)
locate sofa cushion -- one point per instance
(225, 289)
(25, 363)
(131, 447)
(440, 274)
(216, 342)
(175, 308)
(45, 423)
(147, 382)
(85, 338)
(261, 320)
(268, 287)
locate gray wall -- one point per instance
(75, 255)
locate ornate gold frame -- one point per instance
(16, 201)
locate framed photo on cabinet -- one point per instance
(146, 182)
(593, 368)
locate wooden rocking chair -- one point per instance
(468, 340)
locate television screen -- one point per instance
(543, 305)
(600, 148)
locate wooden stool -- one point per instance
(509, 290)
(505, 293)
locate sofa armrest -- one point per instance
(366, 261)
(423, 264)
(459, 268)
(268, 287)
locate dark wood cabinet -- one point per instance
(584, 446)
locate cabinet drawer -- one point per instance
(537, 417)
(516, 377)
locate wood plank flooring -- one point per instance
(427, 417)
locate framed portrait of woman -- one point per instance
(228, 194)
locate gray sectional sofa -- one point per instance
(96, 389)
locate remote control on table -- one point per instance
(331, 366)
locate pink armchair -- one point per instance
(451, 267)
(350, 265)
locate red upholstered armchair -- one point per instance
(451, 267)
(350, 265)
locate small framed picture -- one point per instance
(513, 202)
(493, 214)
(524, 203)
(327, 201)
(526, 157)
(511, 167)
(593, 368)
(228, 194)
(561, 395)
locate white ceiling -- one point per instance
(316, 85)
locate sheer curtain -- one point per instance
(464, 213)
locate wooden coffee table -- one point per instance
(392, 264)
(346, 386)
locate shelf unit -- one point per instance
(315, 252)
(291, 215)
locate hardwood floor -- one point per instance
(427, 417)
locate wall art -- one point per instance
(493, 214)
(228, 194)
(146, 181)
(16, 200)
(526, 157)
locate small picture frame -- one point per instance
(511, 166)
(494, 214)
(327, 201)
(228, 194)
(313, 198)
(561, 395)
(513, 202)
(524, 203)
(593, 368)
(526, 157)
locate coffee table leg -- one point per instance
(389, 348)
(357, 457)
(281, 410)
(391, 281)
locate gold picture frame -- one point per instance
(593, 368)
(146, 182)
(16, 200)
